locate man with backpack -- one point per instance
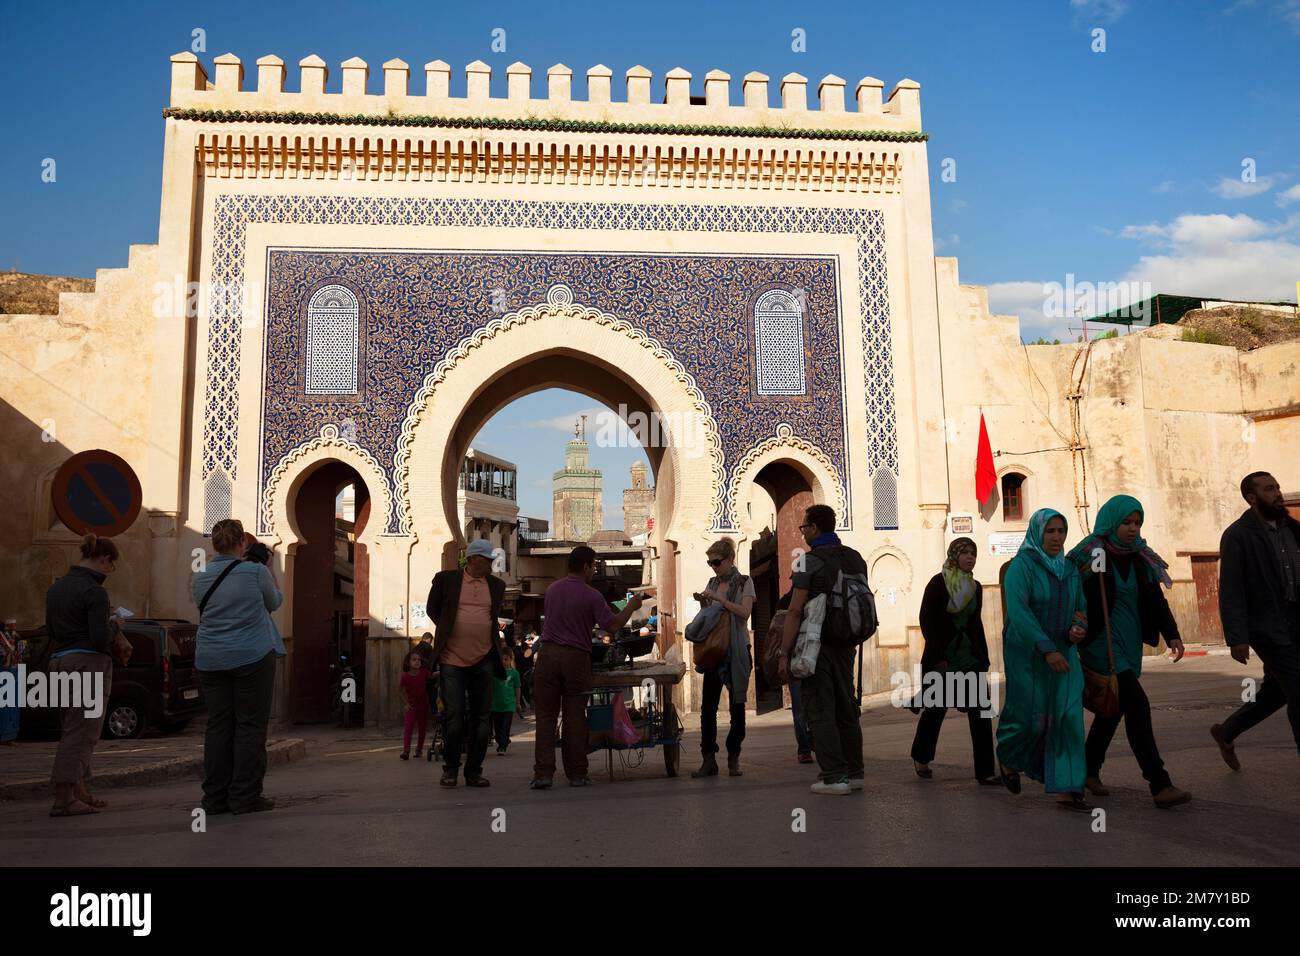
(837, 571)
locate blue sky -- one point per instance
(1115, 166)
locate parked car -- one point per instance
(158, 688)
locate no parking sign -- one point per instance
(96, 492)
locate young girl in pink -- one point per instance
(417, 702)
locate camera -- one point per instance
(258, 552)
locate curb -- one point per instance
(279, 752)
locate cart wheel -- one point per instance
(672, 757)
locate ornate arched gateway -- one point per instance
(382, 272)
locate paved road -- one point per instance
(351, 801)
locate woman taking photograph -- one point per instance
(1121, 582)
(955, 644)
(735, 592)
(1040, 732)
(238, 644)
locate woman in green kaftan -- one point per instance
(1040, 730)
(1121, 583)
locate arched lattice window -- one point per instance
(333, 337)
(778, 344)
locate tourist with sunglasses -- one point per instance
(735, 592)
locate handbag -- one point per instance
(1101, 691)
(712, 651)
(772, 647)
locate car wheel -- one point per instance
(124, 720)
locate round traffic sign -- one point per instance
(96, 492)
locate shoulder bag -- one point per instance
(215, 584)
(1101, 691)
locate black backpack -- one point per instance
(850, 606)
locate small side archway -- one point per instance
(327, 567)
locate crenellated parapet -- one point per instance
(394, 97)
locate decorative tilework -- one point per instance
(234, 212)
(427, 308)
(331, 436)
(559, 300)
(778, 344)
(333, 330)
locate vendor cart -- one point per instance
(659, 723)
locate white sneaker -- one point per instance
(856, 783)
(838, 789)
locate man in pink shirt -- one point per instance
(562, 674)
(464, 605)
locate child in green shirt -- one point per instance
(505, 700)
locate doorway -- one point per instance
(782, 494)
(331, 592)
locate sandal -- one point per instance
(922, 770)
(73, 809)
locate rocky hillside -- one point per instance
(24, 294)
(1241, 326)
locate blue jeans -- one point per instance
(802, 738)
(467, 714)
(9, 715)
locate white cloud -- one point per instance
(1236, 257)
(1109, 10)
(1198, 231)
(1286, 10)
(1026, 300)
(1289, 196)
(941, 243)
(565, 423)
(1164, 188)
(1230, 187)
(1289, 10)
(604, 427)
(1231, 257)
(959, 204)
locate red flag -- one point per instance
(986, 476)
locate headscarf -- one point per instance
(1032, 546)
(1105, 535)
(960, 584)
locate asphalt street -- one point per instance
(352, 801)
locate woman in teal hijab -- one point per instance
(1121, 583)
(1040, 730)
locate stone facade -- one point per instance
(378, 273)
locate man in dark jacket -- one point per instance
(464, 605)
(1259, 604)
(827, 693)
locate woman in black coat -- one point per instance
(955, 662)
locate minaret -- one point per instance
(638, 502)
(577, 490)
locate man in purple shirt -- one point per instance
(562, 674)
